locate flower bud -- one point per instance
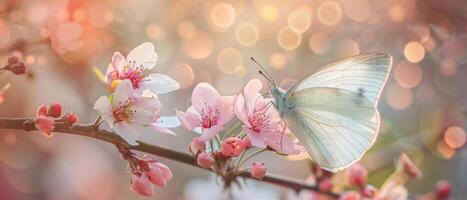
(158, 173)
(205, 160)
(17, 68)
(357, 175)
(42, 110)
(443, 190)
(232, 147)
(141, 185)
(258, 170)
(246, 141)
(71, 119)
(45, 124)
(13, 59)
(196, 145)
(55, 110)
(325, 185)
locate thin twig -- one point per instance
(89, 130)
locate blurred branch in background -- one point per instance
(89, 130)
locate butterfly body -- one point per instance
(333, 112)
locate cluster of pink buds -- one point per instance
(146, 173)
(357, 176)
(15, 65)
(48, 116)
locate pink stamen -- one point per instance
(124, 111)
(209, 117)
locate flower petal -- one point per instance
(256, 139)
(168, 121)
(160, 83)
(142, 116)
(123, 93)
(105, 108)
(140, 184)
(281, 143)
(188, 120)
(209, 133)
(130, 132)
(162, 129)
(225, 106)
(252, 94)
(204, 95)
(143, 56)
(118, 62)
(240, 109)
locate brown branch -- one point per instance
(89, 130)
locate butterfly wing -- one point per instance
(333, 112)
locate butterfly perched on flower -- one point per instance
(333, 111)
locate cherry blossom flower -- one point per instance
(325, 185)
(45, 124)
(209, 112)
(357, 175)
(443, 190)
(131, 115)
(71, 119)
(258, 170)
(140, 184)
(55, 110)
(260, 121)
(232, 147)
(136, 68)
(196, 145)
(205, 159)
(158, 173)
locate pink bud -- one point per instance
(357, 175)
(409, 167)
(352, 195)
(45, 124)
(232, 147)
(140, 184)
(55, 110)
(258, 170)
(17, 68)
(205, 160)
(196, 145)
(369, 191)
(325, 185)
(443, 190)
(246, 141)
(159, 174)
(42, 110)
(13, 59)
(72, 119)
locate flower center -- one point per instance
(209, 117)
(124, 111)
(134, 74)
(259, 119)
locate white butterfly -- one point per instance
(333, 112)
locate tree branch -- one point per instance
(89, 130)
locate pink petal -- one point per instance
(159, 83)
(209, 133)
(281, 143)
(166, 172)
(188, 120)
(140, 184)
(204, 95)
(123, 93)
(162, 129)
(118, 63)
(143, 56)
(252, 94)
(225, 107)
(240, 109)
(256, 139)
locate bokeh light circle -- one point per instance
(222, 15)
(357, 10)
(347, 48)
(183, 74)
(277, 60)
(300, 20)
(289, 39)
(398, 97)
(329, 13)
(247, 34)
(408, 74)
(319, 42)
(455, 137)
(186, 30)
(230, 60)
(414, 52)
(396, 13)
(199, 46)
(269, 13)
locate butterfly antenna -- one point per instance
(267, 75)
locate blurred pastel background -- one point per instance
(423, 104)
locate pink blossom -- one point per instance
(352, 195)
(55, 110)
(196, 145)
(140, 184)
(260, 121)
(45, 124)
(158, 173)
(325, 185)
(258, 170)
(357, 175)
(232, 146)
(209, 112)
(409, 167)
(42, 110)
(443, 190)
(205, 160)
(72, 119)
(368, 191)
(135, 67)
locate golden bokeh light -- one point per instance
(455, 137)
(186, 30)
(222, 15)
(277, 60)
(396, 13)
(347, 48)
(329, 13)
(199, 46)
(230, 60)
(79, 15)
(419, 32)
(445, 151)
(319, 42)
(448, 67)
(183, 74)
(289, 39)
(398, 97)
(414, 52)
(300, 19)
(269, 13)
(247, 34)
(357, 10)
(408, 74)
(155, 32)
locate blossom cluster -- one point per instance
(261, 127)
(48, 116)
